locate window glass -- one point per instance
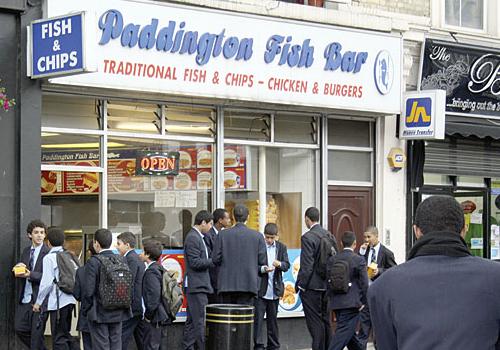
(190, 121)
(70, 149)
(289, 190)
(66, 111)
(134, 116)
(157, 206)
(247, 126)
(295, 129)
(348, 133)
(436, 179)
(465, 13)
(349, 166)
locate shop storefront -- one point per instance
(277, 115)
(465, 163)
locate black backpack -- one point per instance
(67, 263)
(327, 246)
(339, 280)
(115, 283)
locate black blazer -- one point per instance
(137, 267)
(385, 260)
(35, 275)
(278, 286)
(308, 276)
(211, 237)
(151, 286)
(82, 324)
(91, 306)
(197, 264)
(356, 296)
(240, 252)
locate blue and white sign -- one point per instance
(57, 46)
(423, 116)
(160, 47)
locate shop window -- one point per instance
(135, 117)
(145, 200)
(70, 149)
(289, 188)
(436, 179)
(190, 121)
(349, 166)
(465, 13)
(247, 125)
(349, 133)
(295, 129)
(65, 111)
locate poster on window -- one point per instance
(173, 260)
(290, 304)
(468, 74)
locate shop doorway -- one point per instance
(349, 209)
(477, 212)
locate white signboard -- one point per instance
(423, 115)
(167, 48)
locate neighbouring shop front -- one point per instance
(277, 115)
(465, 163)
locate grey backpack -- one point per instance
(171, 294)
(67, 263)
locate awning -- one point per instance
(470, 126)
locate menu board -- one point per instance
(195, 171)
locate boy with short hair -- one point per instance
(29, 326)
(60, 304)
(105, 324)
(155, 316)
(125, 245)
(271, 289)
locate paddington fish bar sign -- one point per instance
(423, 115)
(169, 48)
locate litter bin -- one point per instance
(229, 327)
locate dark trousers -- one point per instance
(87, 341)
(30, 327)
(317, 317)
(214, 299)
(270, 309)
(240, 298)
(150, 335)
(345, 334)
(129, 329)
(106, 336)
(60, 327)
(365, 326)
(194, 330)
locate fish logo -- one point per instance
(383, 72)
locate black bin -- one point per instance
(229, 327)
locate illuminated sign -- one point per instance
(156, 163)
(423, 115)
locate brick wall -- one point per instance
(411, 7)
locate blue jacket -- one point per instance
(437, 302)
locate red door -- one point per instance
(349, 209)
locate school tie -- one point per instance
(32, 259)
(374, 257)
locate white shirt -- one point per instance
(28, 288)
(271, 256)
(47, 286)
(377, 249)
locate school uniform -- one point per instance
(105, 325)
(197, 286)
(155, 315)
(213, 271)
(30, 326)
(60, 305)
(83, 324)
(271, 289)
(130, 326)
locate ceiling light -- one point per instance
(86, 145)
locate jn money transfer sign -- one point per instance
(423, 115)
(56, 46)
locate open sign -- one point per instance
(158, 163)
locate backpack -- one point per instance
(339, 276)
(67, 263)
(171, 294)
(327, 246)
(115, 283)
